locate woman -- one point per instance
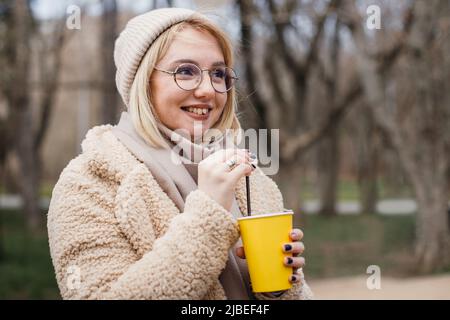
(126, 221)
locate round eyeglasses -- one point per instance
(188, 76)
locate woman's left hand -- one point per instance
(296, 247)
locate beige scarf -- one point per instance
(176, 173)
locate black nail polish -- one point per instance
(294, 278)
(289, 260)
(254, 167)
(287, 247)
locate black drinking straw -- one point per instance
(247, 185)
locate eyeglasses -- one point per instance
(188, 76)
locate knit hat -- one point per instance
(137, 37)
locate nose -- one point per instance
(205, 87)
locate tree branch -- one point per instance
(292, 147)
(50, 79)
(311, 55)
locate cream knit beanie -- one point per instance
(134, 41)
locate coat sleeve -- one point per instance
(94, 260)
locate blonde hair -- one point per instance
(141, 108)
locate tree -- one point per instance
(21, 133)
(108, 35)
(328, 153)
(416, 116)
(278, 84)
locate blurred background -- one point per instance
(360, 91)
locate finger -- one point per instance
(240, 171)
(294, 262)
(240, 252)
(297, 271)
(238, 159)
(294, 247)
(220, 156)
(294, 278)
(296, 234)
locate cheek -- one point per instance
(221, 100)
(165, 98)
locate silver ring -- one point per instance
(231, 163)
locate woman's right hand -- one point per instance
(218, 180)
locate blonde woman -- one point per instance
(126, 221)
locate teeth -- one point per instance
(199, 111)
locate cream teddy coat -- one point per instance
(114, 233)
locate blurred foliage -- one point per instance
(26, 270)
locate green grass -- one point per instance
(348, 190)
(26, 271)
(45, 190)
(347, 245)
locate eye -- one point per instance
(218, 73)
(187, 70)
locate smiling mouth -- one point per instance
(203, 111)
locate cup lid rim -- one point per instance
(267, 215)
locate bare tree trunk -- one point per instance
(289, 182)
(329, 155)
(328, 166)
(367, 163)
(368, 185)
(29, 167)
(428, 162)
(20, 106)
(432, 226)
(108, 35)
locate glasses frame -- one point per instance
(174, 74)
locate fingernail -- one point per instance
(287, 247)
(289, 260)
(293, 234)
(293, 278)
(254, 167)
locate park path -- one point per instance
(390, 206)
(355, 288)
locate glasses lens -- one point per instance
(187, 76)
(223, 78)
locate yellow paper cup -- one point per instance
(263, 237)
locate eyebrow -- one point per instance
(215, 64)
